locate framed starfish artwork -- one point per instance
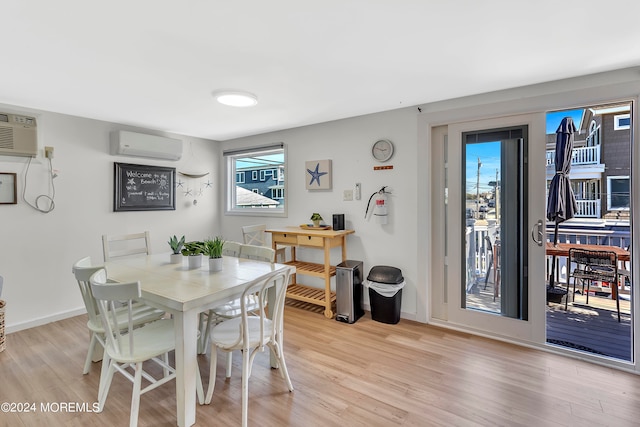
(318, 175)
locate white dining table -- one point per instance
(184, 293)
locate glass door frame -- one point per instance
(520, 330)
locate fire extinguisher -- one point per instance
(380, 209)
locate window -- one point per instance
(621, 122)
(278, 193)
(618, 193)
(266, 174)
(259, 197)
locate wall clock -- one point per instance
(382, 150)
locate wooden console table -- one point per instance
(322, 239)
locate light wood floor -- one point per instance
(364, 374)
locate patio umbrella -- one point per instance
(561, 204)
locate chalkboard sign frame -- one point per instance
(120, 202)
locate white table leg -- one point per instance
(186, 327)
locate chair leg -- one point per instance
(135, 395)
(89, 358)
(614, 288)
(486, 276)
(105, 382)
(229, 360)
(245, 387)
(284, 373)
(199, 388)
(212, 374)
(105, 379)
(588, 287)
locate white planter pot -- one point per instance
(215, 264)
(176, 258)
(195, 261)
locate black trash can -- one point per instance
(385, 293)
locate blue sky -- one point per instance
(489, 153)
(554, 118)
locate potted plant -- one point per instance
(193, 251)
(213, 249)
(176, 246)
(316, 218)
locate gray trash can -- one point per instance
(385, 285)
(349, 291)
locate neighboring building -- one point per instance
(600, 166)
(267, 181)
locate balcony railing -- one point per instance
(588, 209)
(580, 156)
(476, 248)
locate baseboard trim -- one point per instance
(15, 327)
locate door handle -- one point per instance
(539, 236)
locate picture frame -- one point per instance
(318, 175)
(8, 188)
(144, 187)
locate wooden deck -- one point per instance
(591, 328)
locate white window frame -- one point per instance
(616, 121)
(240, 177)
(230, 157)
(609, 178)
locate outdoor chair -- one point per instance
(250, 333)
(493, 262)
(624, 275)
(592, 266)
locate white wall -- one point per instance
(37, 250)
(348, 144)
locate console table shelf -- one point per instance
(313, 238)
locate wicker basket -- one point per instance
(2, 343)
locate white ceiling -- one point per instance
(154, 63)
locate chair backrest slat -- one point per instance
(231, 249)
(254, 234)
(600, 265)
(107, 296)
(258, 291)
(126, 245)
(258, 253)
(83, 270)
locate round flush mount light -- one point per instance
(236, 98)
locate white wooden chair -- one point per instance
(231, 249)
(255, 235)
(142, 313)
(231, 309)
(258, 253)
(206, 319)
(127, 350)
(126, 245)
(252, 332)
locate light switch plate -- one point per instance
(347, 195)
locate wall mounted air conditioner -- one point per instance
(126, 143)
(18, 135)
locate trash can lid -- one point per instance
(385, 274)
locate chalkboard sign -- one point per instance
(144, 188)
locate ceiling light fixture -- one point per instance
(236, 98)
